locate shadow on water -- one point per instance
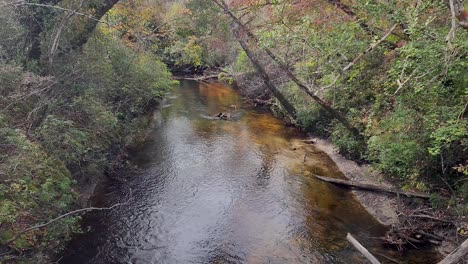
(212, 191)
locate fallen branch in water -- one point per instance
(200, 78)
(82, 210)
(362, 249)
(371, 187)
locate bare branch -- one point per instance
(82, 210)
(22, 3)
(370, 48)
(453, 28)
(63, 25)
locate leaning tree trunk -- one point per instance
(333, 112)
(99, 11)
(266, 79)
(347, 10)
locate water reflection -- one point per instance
(211, 191)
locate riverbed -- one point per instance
(226, 191)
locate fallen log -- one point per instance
(457, 255)
(200, 78)
(371, 187)
(362, 249)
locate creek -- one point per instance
(226, 191)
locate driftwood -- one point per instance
(457, 255)
(419, 227)
(82, 210)
(371, 187)
(362, 249)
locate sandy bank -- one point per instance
(381, 206)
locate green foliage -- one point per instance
(346, 143)
(62, 139)
(67, 123)
(192, 53)
(133, 79)
(186, 53)
(444, 136)
(35, 187)
(13, 35)
(314, 119)
(396, 150)
(408, 101)
(242, 63)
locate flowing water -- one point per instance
(238, 191)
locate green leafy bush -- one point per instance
(58, 129)
(314, 119)
(35, 187)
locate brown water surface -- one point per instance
(241, 191)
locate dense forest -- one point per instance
(386, 81)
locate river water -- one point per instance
(238, 191)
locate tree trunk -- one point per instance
(347, 10)
(460, 13)
(99, 11)
(362, 249)
(371, 187)
(40, 15)
(457, 255)
(266, 79)
(333, 112)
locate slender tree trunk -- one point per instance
(39, 15)
(347, 10)
(266, 79)
(333, 112)
(82, 37)
(35, 22)
(460, 13)
(362, 249)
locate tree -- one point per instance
(334, 113)
(50, 17)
